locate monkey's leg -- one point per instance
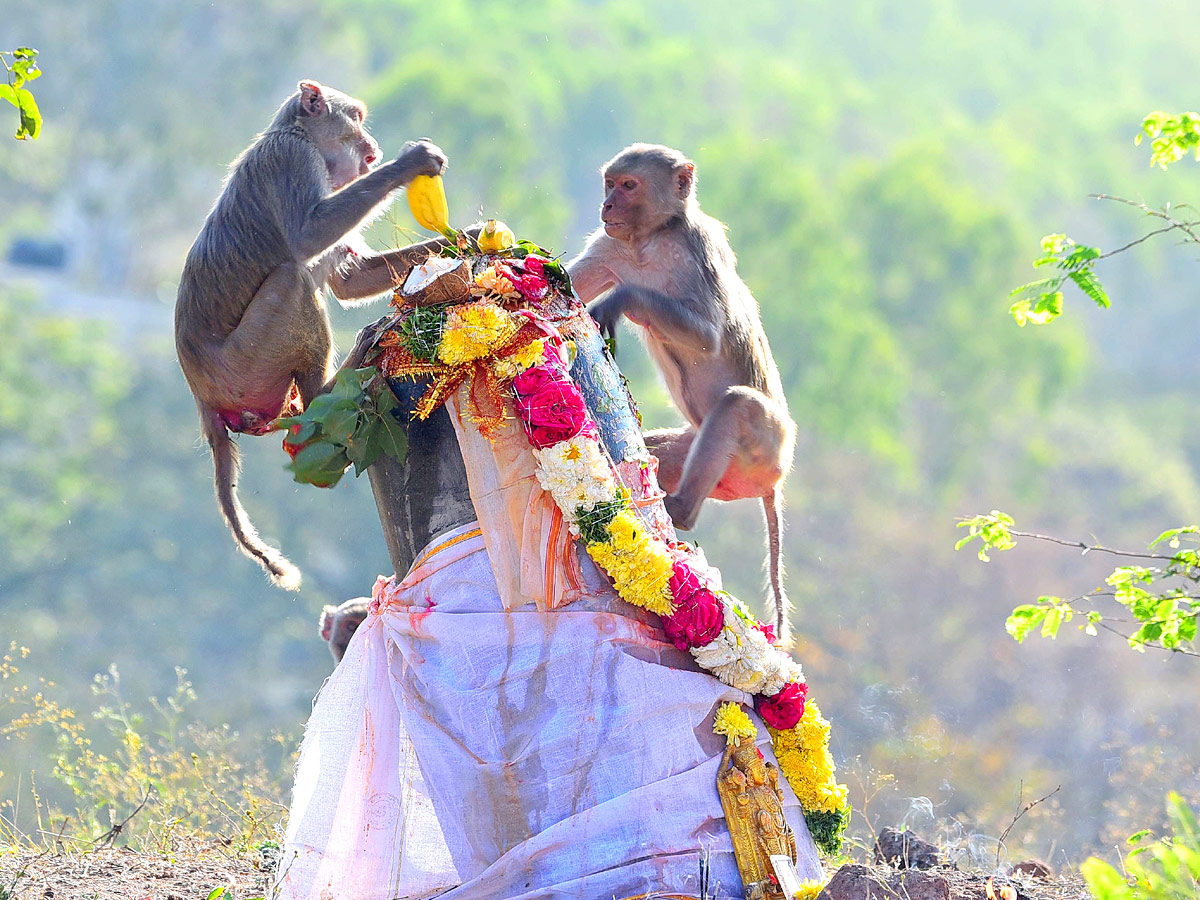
(744, 427)
(670, 446)
(284, 335)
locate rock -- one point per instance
(856, 882)
(1032, 867)
(905, 850)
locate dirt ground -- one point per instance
(196, 872)
(191, 873)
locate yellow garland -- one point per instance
(807, 764)
(639, 566)
(731, 720)
(472, 331)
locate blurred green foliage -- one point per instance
(881, 167)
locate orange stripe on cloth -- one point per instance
(556, 521)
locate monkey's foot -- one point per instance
(680, 516)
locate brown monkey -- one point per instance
(668, 268)
(251, 329)
(338, 624)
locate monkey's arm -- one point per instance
(325, 221)
(590, 277)
(368, 274)
(672, 319)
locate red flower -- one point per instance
(767, 630)
(553, 410)
(784, 710)
(699, 615)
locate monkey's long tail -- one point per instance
(225, 461)
(773, 508)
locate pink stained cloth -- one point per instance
(514, 753)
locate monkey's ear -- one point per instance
(312, 101)
(685, 179)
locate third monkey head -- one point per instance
(645, 187)
(334, 122)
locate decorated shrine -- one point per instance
(557, 698)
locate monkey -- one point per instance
(665, 265)
(252, 333)
(338, 624)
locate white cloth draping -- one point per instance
(465, 750)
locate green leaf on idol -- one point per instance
(392, 437)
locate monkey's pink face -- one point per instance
(346, 146)
(623, 202)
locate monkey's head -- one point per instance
(645, 187)
(334, 122)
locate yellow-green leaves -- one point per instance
(1171, 137)
(1040, 302)
(993, 531)
(21, 67)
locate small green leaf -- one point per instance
(393, 438)
(217, 894)
(31, 117)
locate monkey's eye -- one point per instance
(629, 184)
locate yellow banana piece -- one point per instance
(427, 200)
(496, 236)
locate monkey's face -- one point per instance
(335, 123)
(624, 204)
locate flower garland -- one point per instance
(521, 355)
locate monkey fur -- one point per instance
(338, 624)
(660, 262)
(251, 329)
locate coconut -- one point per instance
(439, 279)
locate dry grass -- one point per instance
(193, 872)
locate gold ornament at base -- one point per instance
(763, 842)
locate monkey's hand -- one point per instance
(420, 158)
(607, 312)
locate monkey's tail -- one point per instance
(773, 508)
(225, 462)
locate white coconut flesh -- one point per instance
(426, 274)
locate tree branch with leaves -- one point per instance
(20, 68)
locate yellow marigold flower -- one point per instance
(732, 721)
(471, 331)
(530, 354)
(639, 566)
(810, 889)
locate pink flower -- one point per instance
(699, 616)
(536, 379)
(767, 630)
(535, 265)
(784, 710)
(553, 411)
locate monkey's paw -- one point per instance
(683, 519)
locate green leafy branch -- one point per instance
(1161, 597)
(1171, 137)
(21, 67)
(1165, 869)
(352, 424)
(1040, 302)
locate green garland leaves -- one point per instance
(352, 424)
(827, 829)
